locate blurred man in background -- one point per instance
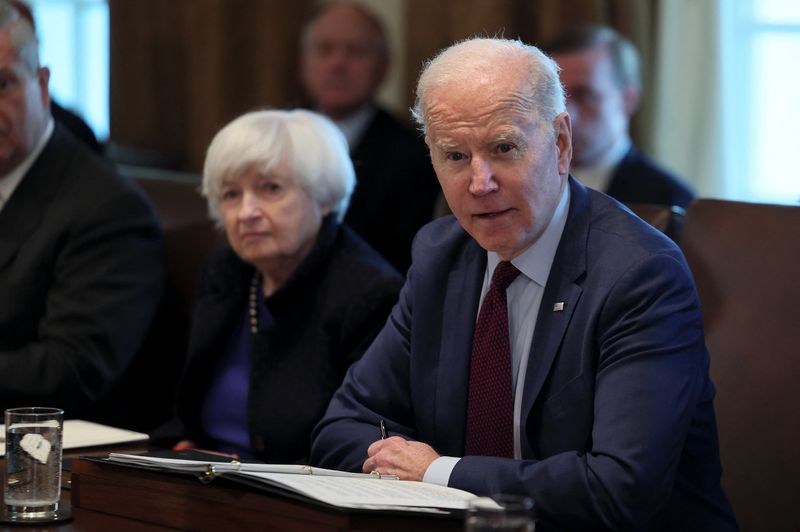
(600, 72)
(345, 58)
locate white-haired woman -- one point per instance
(296, 297)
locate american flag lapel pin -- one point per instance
(558, 307)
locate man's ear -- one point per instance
(562, 129)
(631, 96)
(43, 79)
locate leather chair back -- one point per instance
(745, 258)
(666, 218)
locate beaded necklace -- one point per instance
(253, 311)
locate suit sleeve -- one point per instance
(650, 376)
(375, 388)
(106, 285)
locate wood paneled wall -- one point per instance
(181, 69)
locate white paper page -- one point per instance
(183, 464)
(79, 433)
(365, 492)
(180, 464)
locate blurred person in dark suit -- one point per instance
(345, 58)
(81, 256)
(294, 299)
(600, 72)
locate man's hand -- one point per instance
(395, 456)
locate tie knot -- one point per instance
(503, 275)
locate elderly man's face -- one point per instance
(24, 106)
(342, 63)
(502, 171)
(595, 102)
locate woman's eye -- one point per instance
(228, 195)
(271, 187)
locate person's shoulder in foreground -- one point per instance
(88, 277)
(613, 416)
(82, 256)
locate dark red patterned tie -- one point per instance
(490, 407)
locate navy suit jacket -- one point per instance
(617, 422)
(638, 179)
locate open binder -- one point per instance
(338, 489)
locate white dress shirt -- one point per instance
(354, 126)
(598, 175)
(524, 297)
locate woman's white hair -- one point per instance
(301, 145)
(472, 59)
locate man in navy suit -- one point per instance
(600, 72)
(610, 400)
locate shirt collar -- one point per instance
(598, 175)
(353, 126)
(536, 261)
(10, 181)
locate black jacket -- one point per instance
(396, 188)
(325, 316)
(637, 179)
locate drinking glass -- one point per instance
(509, 513)
(33, 463)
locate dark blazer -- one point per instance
(396, 188)
(638, 179)
(325, 316)
(82, 271)
(75, 125)
(617, 419)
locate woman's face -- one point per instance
(270, 221)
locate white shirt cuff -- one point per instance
(439, 470)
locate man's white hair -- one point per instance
(480, 58)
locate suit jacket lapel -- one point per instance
(458, 325)
(562, 286)
(22, 213)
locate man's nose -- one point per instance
(482, 181)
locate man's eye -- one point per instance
(505, 147)
(456, 156)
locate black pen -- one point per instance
(382, 426)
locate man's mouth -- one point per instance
(493, 214)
